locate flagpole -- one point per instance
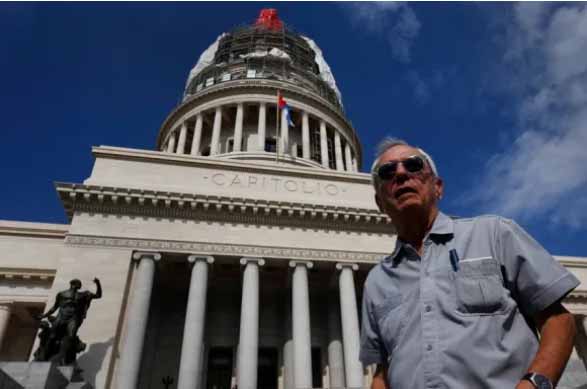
(277, 129)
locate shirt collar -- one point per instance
(442, 229)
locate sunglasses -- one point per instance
(413, 164)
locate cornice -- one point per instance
(26, 274)
(272, 86)
(34, 230)
(201, 248)
(116, 200)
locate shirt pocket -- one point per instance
(390, 320)
(479, 287)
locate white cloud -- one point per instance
(395, 21)
(543, 172)
(419, 86)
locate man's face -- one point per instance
(407, 191)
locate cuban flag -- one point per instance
(282, 104)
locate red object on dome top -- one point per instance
(269, 19)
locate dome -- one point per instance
(263, 93)
(266, 49)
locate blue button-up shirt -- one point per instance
(465, 324)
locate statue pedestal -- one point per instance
(39, 375)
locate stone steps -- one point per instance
(40, 375)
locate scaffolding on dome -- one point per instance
(267, 49)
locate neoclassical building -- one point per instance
(235, 252)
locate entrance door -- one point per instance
(267, 368)
(219, 368)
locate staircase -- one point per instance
(40, 375)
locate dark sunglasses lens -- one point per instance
(387, 170)
(413, 164)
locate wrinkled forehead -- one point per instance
(398, 152)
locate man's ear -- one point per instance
(439, 188)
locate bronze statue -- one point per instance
(58, 335)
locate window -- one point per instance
(251, 73)
(331, 157)
(226, 77)
(229, 145)
(315, 153)
(206, 151)
(209, 81)
(270, 145)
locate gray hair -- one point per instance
(386, 144)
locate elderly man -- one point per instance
(460, 302)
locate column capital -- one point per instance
(194, 257)
(308, 264)
(138, 255)
(6, 305)
(342, 265)
(245, 260)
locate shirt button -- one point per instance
(428, 308)
(429, 347)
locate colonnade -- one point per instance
(5, 312)
(344, 154)
(297, 354)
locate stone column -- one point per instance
(323, 144)
(284, 141)
(238, 128)
(171, 143)
(350, 325)
(195, 321)
(183, 132)
(262, 126)
(335, 349)
(137, 318)
(288, 356)
(355, 165)
(214, 143)
(5, 311)
(305, 135)
(248, 346)
(301, 325)
(338, 151)
(197, 135)
(347, 158)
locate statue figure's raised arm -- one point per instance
(98, 293)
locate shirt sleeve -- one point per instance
(372, 349)
(535, 278)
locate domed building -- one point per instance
(232, 255)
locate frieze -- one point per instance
(225, 249)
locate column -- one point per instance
(248, 344)
(284, 141)
(5, 311)
(338, 151)
(288, 358)
(301, 325)
(182, 135)
(238, 128)
(350, 325)
(262, 126)
(305, 135)
(323, 144)
(171, 143)
(347, 157)
(137, 318)
(335, 349)
(192, 347)
(197, 135)
(355, 165)
(214, 143)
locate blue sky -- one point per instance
(496, 93)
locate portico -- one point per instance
(261, 336)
